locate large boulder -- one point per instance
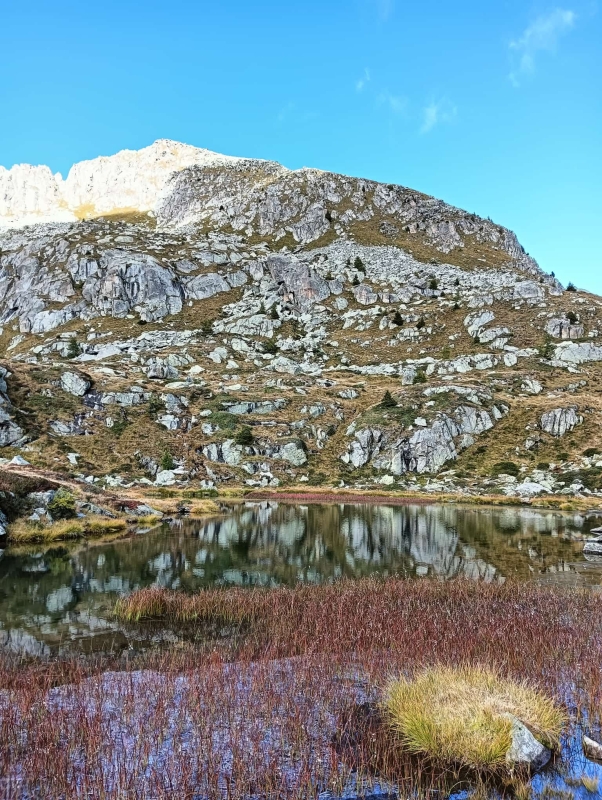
(560, 421)
(74, 383)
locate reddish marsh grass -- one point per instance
(257, 714)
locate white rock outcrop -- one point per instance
(131, 180)
(560, 421)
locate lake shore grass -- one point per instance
(276, 703)
(380, 497)
(21, 531)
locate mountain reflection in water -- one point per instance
(52, 597)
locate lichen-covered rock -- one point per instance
(560, 421)
(74, 383)
(561, 328)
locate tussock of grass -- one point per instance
(461, 716)
(21, 531)
(591, 783)
(211, 606)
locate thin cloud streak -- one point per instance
(436, 113)
(542, 35)
(363, 81)
(395, 103)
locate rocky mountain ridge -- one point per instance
(212, 321)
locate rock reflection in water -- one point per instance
(57, 595)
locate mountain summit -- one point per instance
(269, 327)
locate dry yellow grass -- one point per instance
(21, 531)
(461, 716)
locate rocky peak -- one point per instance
(131, 180)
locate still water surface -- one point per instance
(61, 597)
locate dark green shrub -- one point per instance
(62, 505)
(167, 461)
(73, 349)
(420, 377)
(355, 281)
(388, 400)
(359, 264)
(571, 287)
(270, 347)
(245, 436)
(207, 327)
(506, 468)
(421, 323)
(397, 319)
(572, 317)
(155, 404)
(590, 452)
(433, 284)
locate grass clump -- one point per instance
(462, 716)
(23, 532)
(209, 606)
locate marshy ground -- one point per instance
(270, 708)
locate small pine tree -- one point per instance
(456, 307)
(457, 282)
(421, 323)
(262, 308)
(355, 281)
(433, 284)
(328, 216)
(348, 262)
(572, 317)
(571, 287)
(73, 349)
(397, 319)
(62, 505)
(245, 436)
(167, 462)
(359, 264)
(274, 313)
(388, 400)
(420, 377)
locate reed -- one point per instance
(289, 704)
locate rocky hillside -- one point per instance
(176, 317)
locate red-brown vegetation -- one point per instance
(279, 695)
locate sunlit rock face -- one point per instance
(131, 180)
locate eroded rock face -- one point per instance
(297, 282)
(560, 421)
(561, 328)
(427, 449)
(10, 433)
(74, 383)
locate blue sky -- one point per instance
(494, 107)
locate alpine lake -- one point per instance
(58, 599)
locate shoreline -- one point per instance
(359, 496)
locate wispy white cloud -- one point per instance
(384, 8)
(361, 83)
(436, 113)
(541, 35)
(394, 102)
(285, 111)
